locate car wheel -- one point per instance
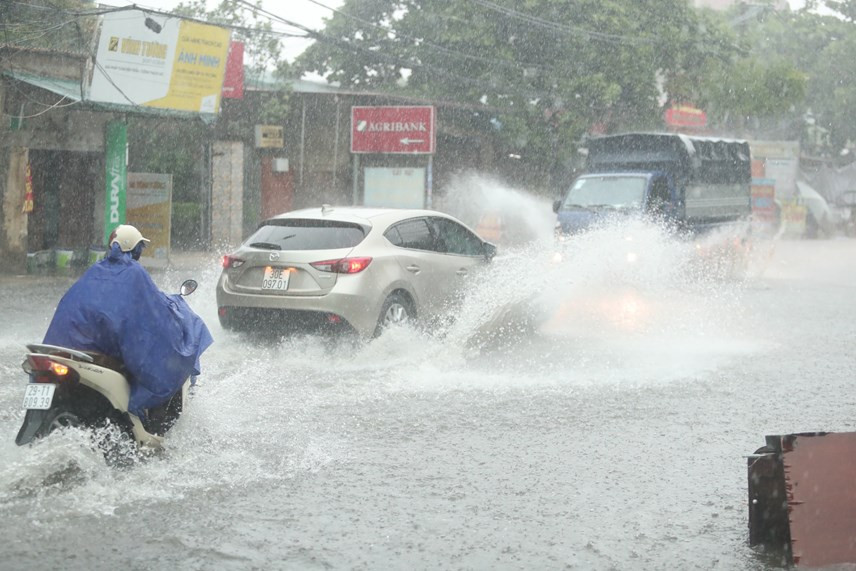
(228, 321)
(395, 311)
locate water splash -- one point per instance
(621, 304)
(522, 216)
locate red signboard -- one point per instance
(233, 80)
(398, 130)
(685, 116)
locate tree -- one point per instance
(821, 48)
(62, 25)
(846, 8)
(539, 74)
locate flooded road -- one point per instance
(601, 423)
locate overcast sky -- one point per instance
(302, 12)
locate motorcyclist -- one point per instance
(116, 309)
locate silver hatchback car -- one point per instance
(347, 268)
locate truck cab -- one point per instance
(596, 197)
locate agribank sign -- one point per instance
(157, 61)
(394, 129)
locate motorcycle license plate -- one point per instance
(275, 279)
(39, 396)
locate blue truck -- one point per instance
(695, 184)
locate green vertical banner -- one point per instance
(116, 160)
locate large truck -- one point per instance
(696, 184)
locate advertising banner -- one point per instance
(394, 187)
(233, 82)
(780, 163)
(28, 191)
(150, 210)
(793, 219)
(115, 159)
(763, 198)
(157, 61)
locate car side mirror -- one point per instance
(188, 287)
(557, 204)
(489, 251)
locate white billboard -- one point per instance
(157, 61)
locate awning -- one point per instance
(68, 88)
(71, 89)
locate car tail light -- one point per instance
(230, 262)
(343, 265)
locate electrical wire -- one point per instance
(422, 41)
(388, 59)
(555, 26)
(57, 105)
(113, 83)
(308, 33)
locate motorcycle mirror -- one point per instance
(188, 287)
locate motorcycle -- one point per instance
(72, 388)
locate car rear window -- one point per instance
(296, 234)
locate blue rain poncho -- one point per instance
(116, 309)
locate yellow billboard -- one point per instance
(197, 70)
(149, 208)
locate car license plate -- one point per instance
(39, 396)
(275, 279)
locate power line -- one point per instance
(555, 26)
(422, 41)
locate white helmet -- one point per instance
(127, 237)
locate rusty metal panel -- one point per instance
(820, 484)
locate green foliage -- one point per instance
(846, 8)
(822, 49)
(60, 25)
(538, 74)
(751, 88)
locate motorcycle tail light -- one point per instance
(45, 370)
(59, 369)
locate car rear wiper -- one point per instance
(266, 245)
(583, 206)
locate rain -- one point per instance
(595, 392)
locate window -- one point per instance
(456, 239)
(413, 234)
(297, 234)
(619, 191)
